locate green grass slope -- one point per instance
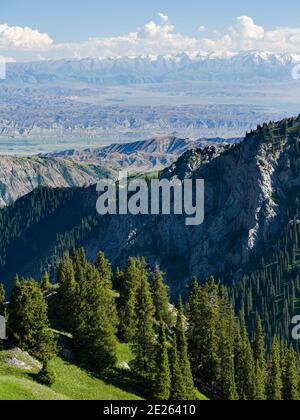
(73, 382)
(14, 388)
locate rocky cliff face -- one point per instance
(246, 198)
(19, 176)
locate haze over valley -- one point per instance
(47, 106)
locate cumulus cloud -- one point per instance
(159, 36)
(164, 18)
(163, 29)
(246, 28)
(154, 38)
(246, 35)
(19, 38)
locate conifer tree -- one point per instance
(94, 328)
(66, 295)
(143, 338)
(162, 384)
(79, 260)
(160, 297)
(118, 280)
(28, 320)
(104, 267)
(260, 383)
(86, 307)
(259, 342)
(105, 272)
(127, 300)
(2, 300)
(226, 350)
(290, 375)
(46, 284)
(194, 312)
(182, 349)
(2, 307)
(193, 298)
(275, 386)
(178, 388)
(207, 365)
(260, 361)
(245, 366)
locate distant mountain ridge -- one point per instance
(152, 154)
(34, 113)
(20, 175)
(244, 66)
(72, 168)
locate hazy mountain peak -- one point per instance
(162, 68)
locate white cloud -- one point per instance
(245, 28)
(164, 18)
(18, 38)
(156, 30)
(246, 35)
(159, 36)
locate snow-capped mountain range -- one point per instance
(129, 98)
(244, 66)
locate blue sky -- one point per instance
(35, 29)
(73, 20)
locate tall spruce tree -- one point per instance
(207, 366)
(46, 284)
(245, 365)
(66, 295)
(86, 307)
(94, 328)
(118, 280)
(178, 387)
(160, 297)
(290, 374)
(260, 361)
(104, 267)
(2, 307)
(226, 350)
(162, 383)
(2, 300)
(194, 312)
(182, 349)
(127, 301)
(144, 337)
(28, 320)
(275, 386)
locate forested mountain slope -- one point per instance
(251, 221)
